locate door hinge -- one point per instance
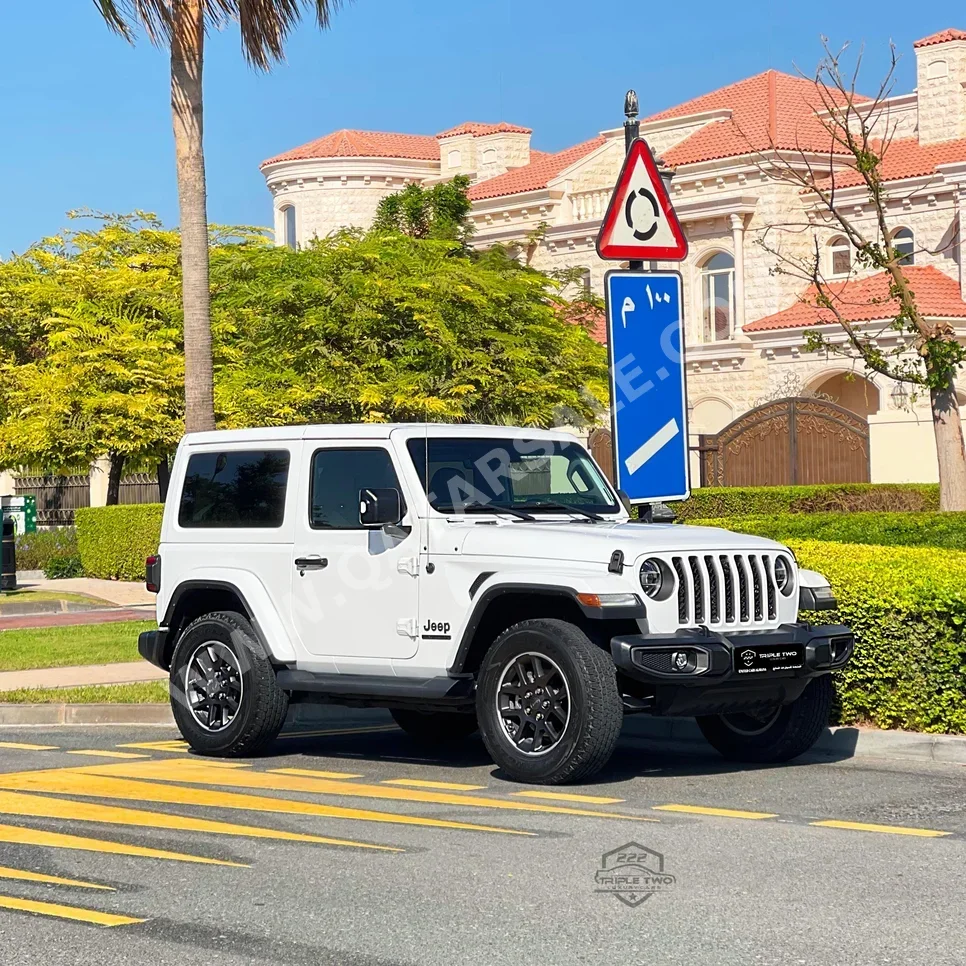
(407, 627)
(408, 565)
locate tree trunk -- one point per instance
(114, 478)
(187, 60)
(164, 478)
(948, 430)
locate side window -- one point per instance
(337, 477)
(234, 489)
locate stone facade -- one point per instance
(731, 203)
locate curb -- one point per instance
(841, 742)
(85, 714)
(679, 734)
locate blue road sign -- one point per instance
(649, 409)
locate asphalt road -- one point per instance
(355, 846)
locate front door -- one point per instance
(354, 590)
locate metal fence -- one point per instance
(139, 488)
(57, 496)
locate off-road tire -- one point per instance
(263, 705)
(796, 729)
(435, 727)
(596, 710)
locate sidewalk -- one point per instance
(123, 593)
(78, 617)
(130, 672)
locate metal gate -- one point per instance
(786, 442)
(602, 449)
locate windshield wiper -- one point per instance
(492, 508)
(550, 505)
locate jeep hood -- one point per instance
(561, 540)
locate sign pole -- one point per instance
(632, 130)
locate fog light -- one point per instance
(680, 660)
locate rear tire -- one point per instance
(224, 695)
(547, 703)
(791, 732)
(435, 727)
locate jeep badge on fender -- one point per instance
(464, 578)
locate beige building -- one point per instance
(744, 322)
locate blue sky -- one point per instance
(84, 118)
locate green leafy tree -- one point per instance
(91, 363)
(438, 212)
(387, 327)
(181, 27)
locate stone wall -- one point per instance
(941, 74)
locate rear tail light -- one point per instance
(152, 573)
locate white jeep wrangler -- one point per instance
(470, 577)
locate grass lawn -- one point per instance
(150, 692)
(28, 596)
(77, 644)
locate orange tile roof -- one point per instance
(364, 144)
(943, 37)
(768, 109)
(537, 174)
(905, 158)
(479, 130)
(867, 300)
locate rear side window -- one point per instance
(234, 489)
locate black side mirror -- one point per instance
(379, 507)
(625, 500)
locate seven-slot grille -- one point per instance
(725, 588)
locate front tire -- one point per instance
(787, 733)
(435, 727)
(547, 703)
(224, 695)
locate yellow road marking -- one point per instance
(195, 773)
(564, 797)
(22, 746)
(107, 754)
(888, 829)
(67, 912)
(370, 729)
(26, 876)
(178, 746)
(420, 783)
(98, 781)
(16, 835)
(309, 773)
(721, 812)
(39, 806)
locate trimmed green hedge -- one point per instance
(743, 501)
(36, 550)
(114, 540)
(907, 607)
(946, 530)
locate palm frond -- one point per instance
(266, 24)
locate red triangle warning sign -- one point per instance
(640, 222)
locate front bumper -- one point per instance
(731, 672)
(151, 646)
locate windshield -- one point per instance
(533, 474)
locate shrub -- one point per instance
(35, 550)
(114, 540)
(907, 608)
(888, 529)
(741, 501)
(59, 568)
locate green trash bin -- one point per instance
(22, 510)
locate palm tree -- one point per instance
(181, 26)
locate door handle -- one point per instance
(312, 562)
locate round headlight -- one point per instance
(783, 575)
(652, 577)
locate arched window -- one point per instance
(904, 242)
(454, 159)
(489, 156)
(289, 231)
(840, 256)
(718, 297)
